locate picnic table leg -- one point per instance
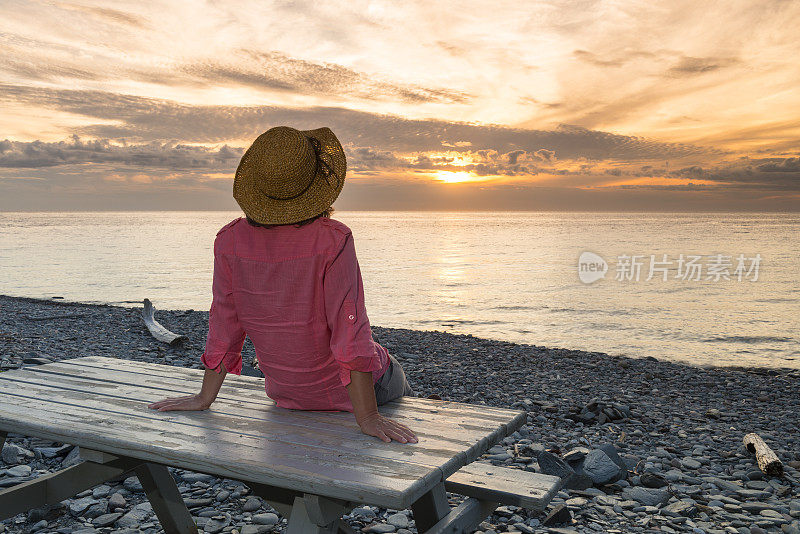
(430, 508)
(464, 518)
(165, 497)
(312, 514)
(278, 498)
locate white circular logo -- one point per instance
(591, 267)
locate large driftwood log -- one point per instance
(158, 331)
(767, 460)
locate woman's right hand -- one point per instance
(187, 403)
(386, 429)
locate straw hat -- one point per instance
(289, 175)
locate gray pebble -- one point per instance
(79, 506)
(217, 523)
(252, 504)
(72, 458)
(132, 484)
(646, 496)
(266, 519)
(197, 503)
(600, 467)
(19, 471)
(106, 519)
(117, 501)
(363, 512)
(14, 454)
(136, 516)
(101, 491)
(398, 520)
(380, 528)
(97, 509)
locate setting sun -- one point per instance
(455, 177)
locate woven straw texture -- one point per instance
(280, 180)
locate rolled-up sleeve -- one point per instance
(351, 337)
(225, 334)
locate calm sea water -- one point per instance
(511, 276)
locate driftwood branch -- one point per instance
(767, 460)
(158, 331)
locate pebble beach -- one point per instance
(642, 444)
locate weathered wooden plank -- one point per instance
(478, 416)
(463, 432)
(274, 424)
(230, 427)
(467, 432)
(477, 411)
(515, 487)
(169, 440)
(512, 419)
(106, 378)
(426, 406)
(140, 372)
(483, 409)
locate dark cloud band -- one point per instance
(146, 120)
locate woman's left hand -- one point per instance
(386, 429)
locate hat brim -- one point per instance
(319, 196)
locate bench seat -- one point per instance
(515, 487)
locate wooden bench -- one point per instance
(312, 467)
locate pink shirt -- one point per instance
(297, 293)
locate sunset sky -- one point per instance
(496, 105)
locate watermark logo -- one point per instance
(591, 267)
(693, 268)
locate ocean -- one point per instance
(708, 289)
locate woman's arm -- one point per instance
(212, 381)
(352, 344)
(223, 352)
(365, 408)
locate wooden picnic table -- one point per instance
(310, 466)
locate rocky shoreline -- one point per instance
(643, 445)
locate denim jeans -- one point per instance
(393, 384)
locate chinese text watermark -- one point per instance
(687, 267)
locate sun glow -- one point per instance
(455, 177)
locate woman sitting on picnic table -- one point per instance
(286, 275)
